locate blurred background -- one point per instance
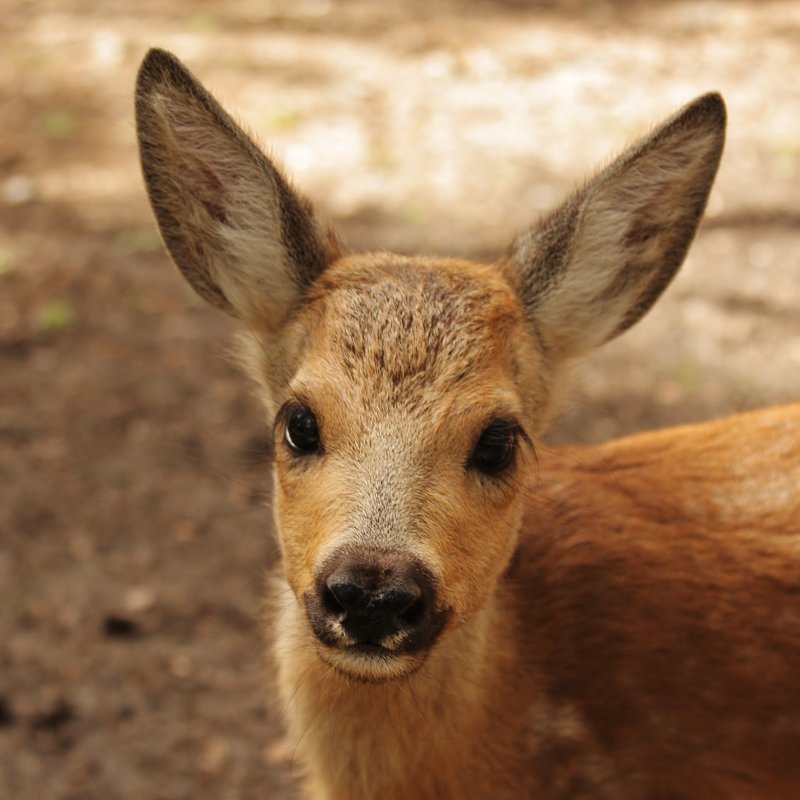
(133, 457)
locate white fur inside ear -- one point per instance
(243, 238)
(597, 264)
(231, 207)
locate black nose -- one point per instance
(355, 597)
(378, 597)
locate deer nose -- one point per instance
(377, 599)
(355, 597)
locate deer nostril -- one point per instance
(414, 613)
(398, 600)
(331, 604)
(346, 596)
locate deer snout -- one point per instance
(376, 600)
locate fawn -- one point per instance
(459, 616)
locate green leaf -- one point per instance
(56, 316)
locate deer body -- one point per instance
(459, 614)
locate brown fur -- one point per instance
(616, 622)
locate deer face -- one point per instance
(403, 451)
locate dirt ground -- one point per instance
(133, 458)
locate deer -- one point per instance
(463, 612)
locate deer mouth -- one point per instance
(371, 663)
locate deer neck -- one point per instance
(373, 735)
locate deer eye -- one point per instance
(302, 432)
(495, 450)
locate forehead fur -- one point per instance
(405, 327)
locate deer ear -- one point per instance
(593, 268)
(242, 237)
